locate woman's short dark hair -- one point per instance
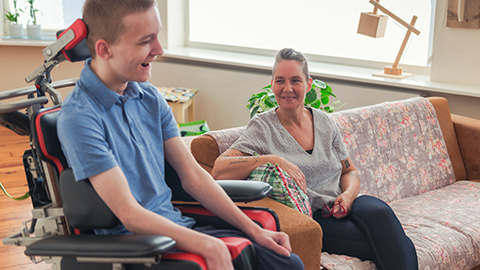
(291, 54)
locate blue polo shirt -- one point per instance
(100, 129)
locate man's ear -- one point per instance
(103, 49)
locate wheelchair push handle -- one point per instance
(28, 91)
(18, 105)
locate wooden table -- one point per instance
(182, 102)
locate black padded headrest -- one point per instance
(77, 49)
(78, 53)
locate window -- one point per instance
(315, 27)
(53, 15)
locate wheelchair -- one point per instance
(65, 211)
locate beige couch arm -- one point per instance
(467, 131)
(305, 233)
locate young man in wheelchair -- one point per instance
(116, 130)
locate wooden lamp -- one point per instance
(373, 25)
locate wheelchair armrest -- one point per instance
(237, 190)
(118, 247)
(245, 191)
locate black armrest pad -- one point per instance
(82, 206)
(99, 246)
(238, 190)
(245, 191)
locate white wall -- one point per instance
(223, 91)
(456, 54)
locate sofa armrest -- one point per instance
(467, 131)
(205, 150)
(305, 233)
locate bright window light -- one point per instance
(53, 15)
(327, 28)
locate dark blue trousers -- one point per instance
(371, 231)
(267, 259)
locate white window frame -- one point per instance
(424, 70)
(47, 33)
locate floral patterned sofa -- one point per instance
(413, 154)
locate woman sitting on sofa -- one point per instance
(307, 144)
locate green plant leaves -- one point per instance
(318, 95)
(311, 96)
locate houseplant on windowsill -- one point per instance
(318, 97)
(15, 29)
(34, 30)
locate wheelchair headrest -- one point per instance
(44, 136)
(77, 49)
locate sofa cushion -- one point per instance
(442, 224)
(397, 147)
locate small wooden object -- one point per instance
(372, 25)
(393, 71)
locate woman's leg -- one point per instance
(383, 235)
(391, 246)
(344, 236)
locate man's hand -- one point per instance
(216, 254)
(276, 241)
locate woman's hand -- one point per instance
(295, 173)
(344, 200)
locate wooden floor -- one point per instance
(12, 212)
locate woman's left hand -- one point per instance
(344, 200)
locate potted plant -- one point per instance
(318, 97)
(34, 30)
(15, 28)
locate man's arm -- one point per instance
(201, 186)
(113, 188)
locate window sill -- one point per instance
(325, 71)
(43, 42)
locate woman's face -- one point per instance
(290, 84)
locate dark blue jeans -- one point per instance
(371, 231)
(267, 259)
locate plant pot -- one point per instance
(15, 30)
(34, 31)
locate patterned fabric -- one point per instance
(397, 147)
(443, 224)
(399, 151)
(285, 190)
(226, 137)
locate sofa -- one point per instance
(413, 154)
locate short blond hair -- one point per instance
(104, 18)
